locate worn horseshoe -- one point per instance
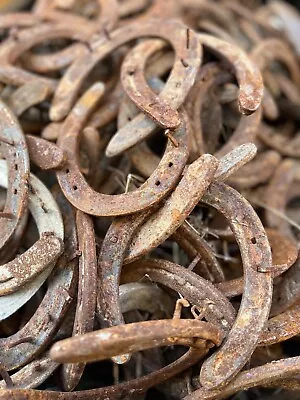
(198, 291)
(21, 347)
(70, 84)
(178, 206)
(49, 222)
(86, 297)
(248, 75)
(11, 50)
(13, 148)
(82, 196)
(241, 341)
(109, 342)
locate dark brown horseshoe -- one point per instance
(241, 341)
(75, 75)
(81, 195)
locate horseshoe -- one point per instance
(275, 49)
(33, 374)
(11, 50)
(196, 290)
(28, 95)
(282, 327)
(19, 19)
(109, 342)
(241, 341)
(273, 138)
(44, 253)
(161, 108)
(23, 346)
(274, 372)
(284, 255)
(178, 206)
(83, 197)
(248, 75)
(13, 148)
(279, 185)
(171, 97)
(167, 273)
(164, 222)
(208, 10)
(256, 172)
(61, 59)
(106, 20)
(116, 392)
(250, 95)
(86, 297)
(71, 82)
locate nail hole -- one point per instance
(15, 191)
(170, 164)
(67, 171)
(253, 240)
(157, 183)
(131, 72)
(184, 63)
(16, 167)
(75, 187)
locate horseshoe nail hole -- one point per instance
(75, 187)
(16, 167)
(157, 183)
(184, 63)
(15, 191)
(253, 240)
(170, 164)
(67, 171)
(131, 72)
